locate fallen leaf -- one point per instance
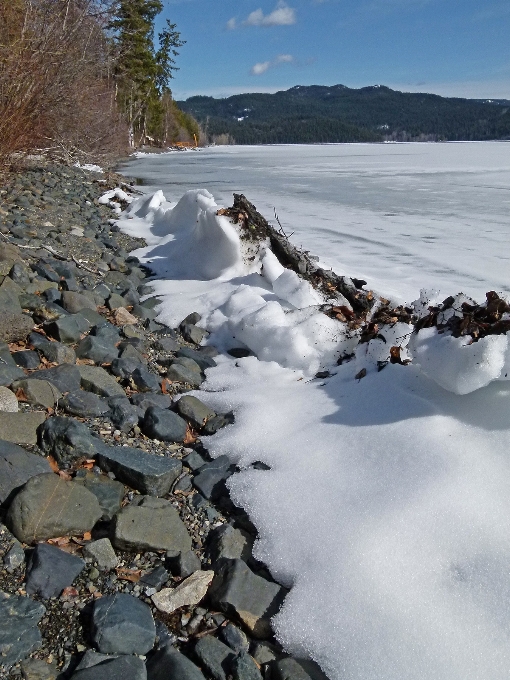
(190, 437)
(53, 464)
(133, 575)
(60, 541)
(20, 395)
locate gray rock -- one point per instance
(192, 318)
(123, 414)
(168, 663)
(92, 316)
(194, 461)
(21, 428)
(115, 301)
(243, 667)
(264, 652)
(74, 302)
(155, 579)
(122, 624)
(17, 466)
(96, 379)
(15, 557)
(9, 296)
(66, 378)
(67, 329)
(210, 481)
(37, 669)
(8, 374)
(84, 404)
(214, 656)
(50, 570)
(67, 439)
(97, 349)
(15, 326)
(120, 668)
(154, 525)
(246, 597)
(227, 542)
(37, 392)
(164, 425)
(8, 401)
(108, 492)
(107, 332)
(145, 472)
(235, 638)
(199, 357)
(178, 372)
(214, 424)
(26, 359)
(183, 564)
(167, 344)
(5, 355)
(195, 411)
(19, 634)
(48, 506)
(193, 333)
(58, 353)
(124, 367)
(93, 658)
(296, 669)
(147, 399)
(102, 553)
(146, 381)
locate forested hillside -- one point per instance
(341, 114)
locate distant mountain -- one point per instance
(316, 113)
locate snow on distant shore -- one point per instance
(387, 506)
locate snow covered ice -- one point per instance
(387, 505)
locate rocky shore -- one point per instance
(122, 553)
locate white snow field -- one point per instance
(387, 506)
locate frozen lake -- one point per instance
(402, 216)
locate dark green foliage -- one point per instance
(340, 114)
(143, 74)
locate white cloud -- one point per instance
(282, 15)
(263, 66)
(260, 68)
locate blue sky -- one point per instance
(451, 47)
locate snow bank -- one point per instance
(387, 505)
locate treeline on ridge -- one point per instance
(87, 77)
(340, 114)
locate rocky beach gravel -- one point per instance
(122, 555)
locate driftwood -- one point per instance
(256, 227)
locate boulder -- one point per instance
(21, 428)
(164, 425)
(214, 656)
(120, 668)
(101, 553)
(48, 507)
(67, 440)
(66, 378)
(15, 326)
(37, 392)
(96, 379)
(8, 401)
(168, 663)
(19, 634)
(122, 624)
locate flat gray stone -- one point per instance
(98, 349)
(164, 425)
(210, 481)
(230, 543)
(120, 668)
(58, 353)
(153, 525)
(19, 634)
(182, 374)
(195, 411)
(68, 329)
(150, 474)
(8, 401)
(235, 638)
(21, 428)
(102, 553)
(96, 379)
(17, 466)
(246, 597)
(37, 392)
(74, 302)
(84, 404)
(122, 624)
(66, 378)
(243, 667)
(50, 570)
(37, 669)
(48, 507)
(168, 664)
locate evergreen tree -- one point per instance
(142, 73)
